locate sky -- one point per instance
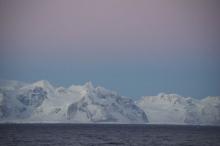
(134, 47)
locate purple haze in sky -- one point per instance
(135, 47)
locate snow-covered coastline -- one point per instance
(41, 102)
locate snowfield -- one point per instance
(41, 102)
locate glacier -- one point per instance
(42, 102)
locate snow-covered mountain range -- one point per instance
(43, 102)
(175, 109)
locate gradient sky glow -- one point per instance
(136, 47)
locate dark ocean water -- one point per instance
(107, 135)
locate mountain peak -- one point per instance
(43, 84)
(168, 95)
(88, 85)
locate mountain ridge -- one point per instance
(42, 102)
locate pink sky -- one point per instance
(119, 28)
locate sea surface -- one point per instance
(107, 135)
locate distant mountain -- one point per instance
(175, 109)
(210, 110)
(42, 102)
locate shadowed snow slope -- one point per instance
(42, 102)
